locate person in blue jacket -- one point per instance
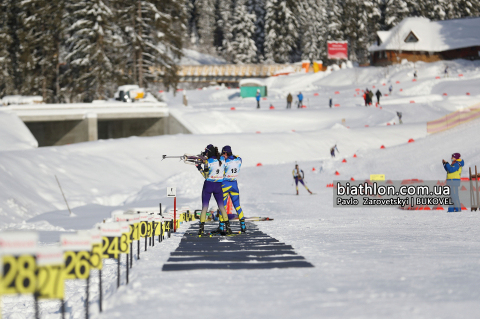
(454, 173)
(258, 98)
(230, 187)
(300, 99)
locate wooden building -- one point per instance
(419, 39)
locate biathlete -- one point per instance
(213, 170)
(230, 187)
(298, 176)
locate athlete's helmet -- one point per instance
(456, 155)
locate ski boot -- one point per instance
(228, 230)
(201, 229)
(243, 227)
(310, 192)
(218, 230)
(222, 229)
(297, 192)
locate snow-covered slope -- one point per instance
(369, 263)
(14, 135)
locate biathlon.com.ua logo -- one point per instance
(433, 193)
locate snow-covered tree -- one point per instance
(431, 9)
(392, 12)
(226, 10)
(152, 34)
(7, 70)
(242, 48)
(460, 8)
(206, 22)
(334, 20)
(313, 17)
(281, 31)
(257, 7)
(355, 20)
(40, 38)
(91, 49)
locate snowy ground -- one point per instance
(369, 263)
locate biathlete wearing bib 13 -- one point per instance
(213, 171)
(230, 186)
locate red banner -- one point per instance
(338, 50)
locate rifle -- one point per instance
(189, 159)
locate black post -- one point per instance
(86, 298)
(146, 240)
(62, 308)
(118, 271)
(99, 289)
(37, 312)
(160, 237)
(127, 269)
(131, 254)
(138, 249)
(154, 228)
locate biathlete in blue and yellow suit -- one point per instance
(454, 173)
(230, 187)
(213, 170)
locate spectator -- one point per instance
(300, 99)
(258, 98)
(289, 101)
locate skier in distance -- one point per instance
(332, 150)
(298, 176)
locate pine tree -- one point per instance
(313, 17)
(243, 49)
(7, 71)
(226, 10)
(460, 8)
(355, 20)
(257, 7)
(431, 9)
(281, 31)
(152, 34)
(206, 23)
(334, 22)
(91, 49)
(392, 12)
(40, 38)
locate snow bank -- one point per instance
(14, 135)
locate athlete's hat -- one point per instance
(209, 147)
(456, 155)
(227, 149)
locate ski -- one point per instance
(258, 219)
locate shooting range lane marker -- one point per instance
(253, 250)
